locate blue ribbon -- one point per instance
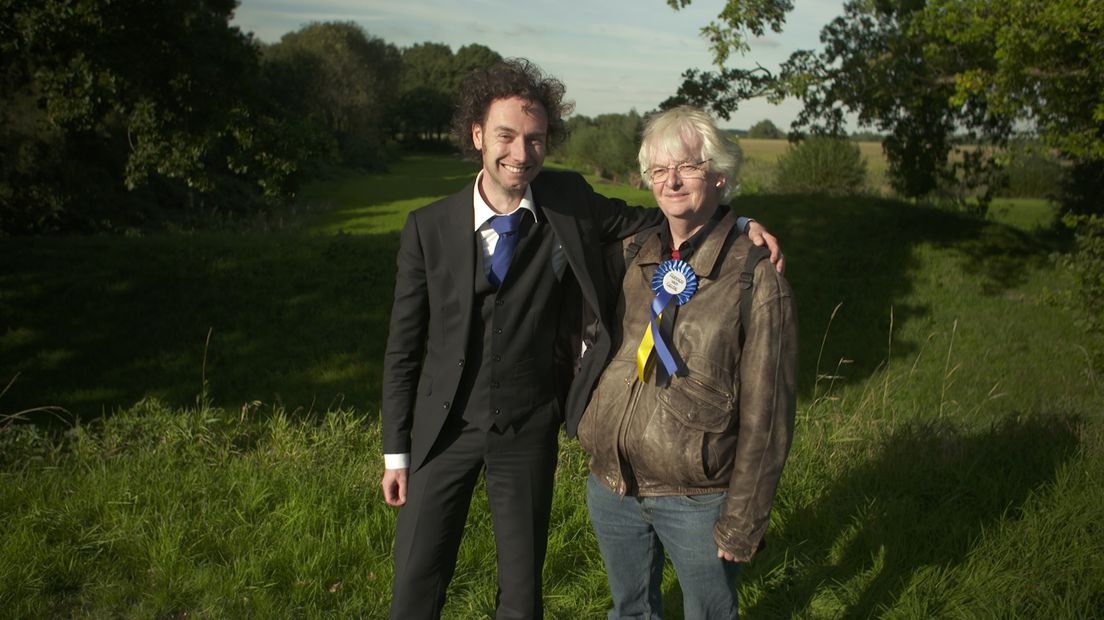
(663, 299)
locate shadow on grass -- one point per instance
(91, 324)
(860, 253)
(919, 502)
(94, 323)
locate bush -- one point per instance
(1086, 263)
(1031, 172)
(1083, 188)
(765, 130)
(821, 165)
(606, 145)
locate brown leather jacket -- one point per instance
(727, 426)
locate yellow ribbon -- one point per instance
(644, 359)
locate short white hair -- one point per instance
(667, 132)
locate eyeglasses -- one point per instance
(687, 170)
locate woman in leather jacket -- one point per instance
(691, 421)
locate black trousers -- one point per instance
(519, 465)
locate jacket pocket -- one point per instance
(698, 405)
(683, 442)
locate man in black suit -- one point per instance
(472, 380)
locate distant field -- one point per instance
(771, 150)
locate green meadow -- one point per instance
(190, 421)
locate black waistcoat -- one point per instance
(509, 370)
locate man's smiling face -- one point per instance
(512, 141)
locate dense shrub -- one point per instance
(1086, 263)
(765, 130)
(1030, 171)
(1083, 188)
(821, 164)
(606, 145)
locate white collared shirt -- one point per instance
(482, 213)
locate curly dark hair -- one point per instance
(512, 77)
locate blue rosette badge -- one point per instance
(673, 280)
(677, 279)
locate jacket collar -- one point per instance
(704, 259)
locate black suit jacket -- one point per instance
(432, 313)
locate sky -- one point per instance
(613, 55)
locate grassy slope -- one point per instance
(947, 460)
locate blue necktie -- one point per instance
(506, 226)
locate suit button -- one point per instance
(494, 385)
(460, 362)
(498, 302)
(497, 411)
(445, 405)
(498, 330)
(497, 358)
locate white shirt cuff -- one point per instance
(396, 461)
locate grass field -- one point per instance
(218, 450)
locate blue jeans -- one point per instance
(633, 533)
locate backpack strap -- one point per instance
(747, 282)
(633, 248)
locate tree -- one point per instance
(932, 74)
(425, 104)
(351, 80)
(432, 76)
(468, 59)
(105, 105)
(721, 93)
(729, 33)
(606, 144)
(1044, 67)
(765, 130)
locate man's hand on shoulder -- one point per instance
(760, 236)
(394, 486)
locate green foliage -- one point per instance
(867, 136)
(1083, 188)
(431, 78)
(731, 33)
(932, 75)
(606, 145)
(879, 64)
(1086, 263)
(1030, 171)
(1037, 59)
(137, 116)
(350, 79)
(116, 114)
(765, 130)
(428, 90)
(822, 165)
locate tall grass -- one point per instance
(947, 459)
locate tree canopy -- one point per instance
(930, 74)
(431, 77)
(103, 101)
(349, 78)
(126, 115)
(606, 145)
